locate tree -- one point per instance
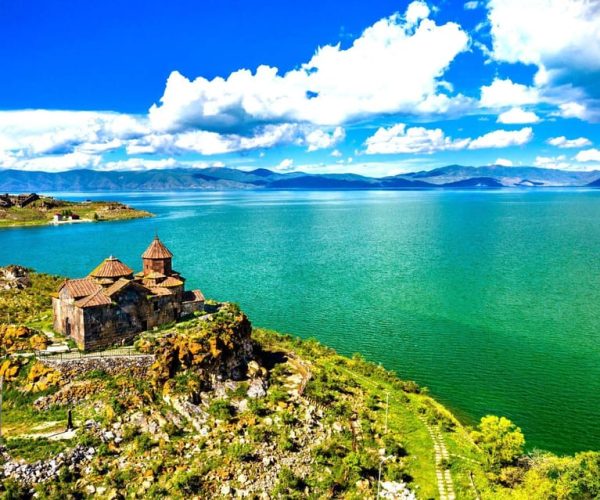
(499, 439)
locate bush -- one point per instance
(220, 409)
(289, 485)
(188, 482)
(242, 452)
(144, 442)
(500, 440)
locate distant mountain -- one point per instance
(177, 179)
(507, 176)
(474, 182)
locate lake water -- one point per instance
(489, 298)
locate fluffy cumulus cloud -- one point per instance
(395, 66)
(559, 162)
(588, 155)
(402, 139)
(320, 139)
(503, 162)
(63, 140)
(573, 110)
(518, 115)
(563, 42)
(211, 143)
(556, 35)
(504, 93)
(39, 132)
(502, 139)
(563, 142)
(50, 163)
(286, 164)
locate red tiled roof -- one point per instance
(116, 286)
(111, 268)
(158, 290)
(157, 250)
(80, 287)
(96, 299)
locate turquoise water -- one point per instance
(491, 299)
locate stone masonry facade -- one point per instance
(112, 304)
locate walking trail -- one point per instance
(444, 479)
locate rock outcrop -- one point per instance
(14, 277)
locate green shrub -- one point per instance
(220, 409)
(243, 452)
(289, 485)
(144, 442)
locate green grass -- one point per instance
(32, 450)
(35, 215)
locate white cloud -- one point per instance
(558, 162)
(504, 92)
(400, 139)
(320, 139)
(573, 110)
(518, 115)
(588, 155)
(503, 162)
(211, 143)
(561, 38)
(502, 139)
(47, 132)
(563, 142)
(336, 153)
(553, 34)
(286, 164)
(471, 5)
(415, 12)
(394, 66)
(52, 163)
(139, 164)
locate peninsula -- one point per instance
(32, 209)
(208, 406)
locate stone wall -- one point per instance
(70, 369)
(188, 308)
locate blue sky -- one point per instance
(376, 88)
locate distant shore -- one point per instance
(39, 210)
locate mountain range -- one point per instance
(452, 176)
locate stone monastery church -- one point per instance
(112, 305)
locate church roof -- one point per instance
(96, 299)
(111, 268)
(154, 275)
(80, 287)
(193, 296)
(159, 290)
(117, 286)
(157, 250)
(171, 281)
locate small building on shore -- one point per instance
(112, 304)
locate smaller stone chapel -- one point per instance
(112, 304)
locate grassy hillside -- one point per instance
(38, 213)
(224, 410)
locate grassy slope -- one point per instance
(343, 386)
(33, 215)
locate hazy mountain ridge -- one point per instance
(452, 176)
